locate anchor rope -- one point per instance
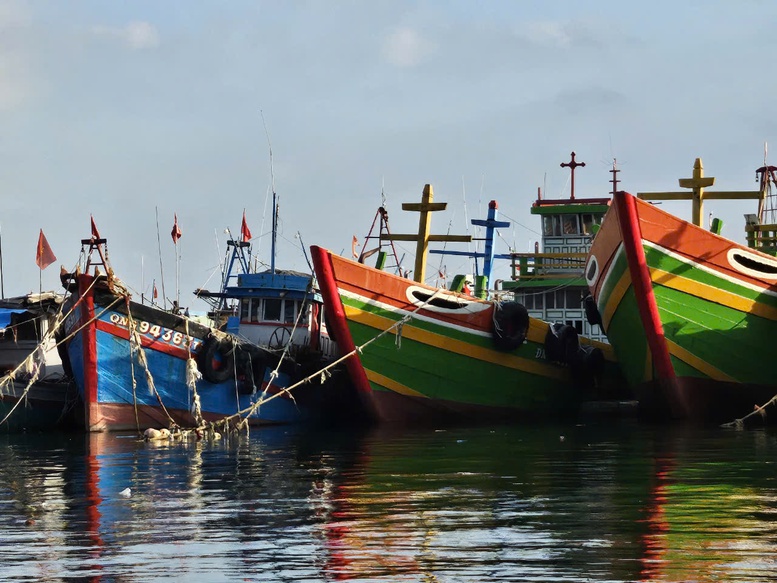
(245, 413)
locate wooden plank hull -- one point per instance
(119, 394)
(690, 314)
(441, 362)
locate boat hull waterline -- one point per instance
(441, 362)
(688, 313)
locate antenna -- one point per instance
(274, 199)
(614, 181)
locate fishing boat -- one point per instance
(423, 354)
(139, 366)
(36, 392)
(688, 311)
(275, 309)
(549, 281)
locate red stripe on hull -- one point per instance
(641, 282)
(89, 337)
(322, 263)
(159, 346)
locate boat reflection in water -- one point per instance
(478, 504)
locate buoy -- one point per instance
(152, 434)
(125, 493)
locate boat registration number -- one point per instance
(158, 332)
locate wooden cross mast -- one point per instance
(423, 237)
(697, 184)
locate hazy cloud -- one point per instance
(14, 83)
(562, 35)
(136, 35)
(405, 47)
(12, 14)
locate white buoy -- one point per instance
(125, 493)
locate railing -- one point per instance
(762, 237)
(547, 265)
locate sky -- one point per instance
(135, 112)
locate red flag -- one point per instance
(95, 232)
(156, 295)
(44, 256)
(176, 232)
(354, 244)
(245, 232)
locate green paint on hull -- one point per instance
(659, 260)
(443, 375)
(627, 336)
(730, 340)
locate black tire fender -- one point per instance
(511, 323)
(561, 343)
(591, 311)
(216, 359)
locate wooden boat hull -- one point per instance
(689, 313)
(114, 384)
(441, 363)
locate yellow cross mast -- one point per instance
(424, 225)
(697, 184)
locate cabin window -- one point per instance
(289, 311)
(573, 299)
(538, 301)
(570, 224)
(256, 307)
(547, 226)
(245, 309)
(552, 226)
(272, 310)
(588, 223)
(550, 299)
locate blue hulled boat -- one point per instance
(139, 366)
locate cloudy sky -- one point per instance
(131, 110)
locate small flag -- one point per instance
(245, 232)
(154, 293)
(354, 244)
(95, 232)
(176, 232)
(44, 256)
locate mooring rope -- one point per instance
(758, 410)
(136, 345)
(247, 412)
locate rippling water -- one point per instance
(621, 502)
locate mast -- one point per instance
(274, 200)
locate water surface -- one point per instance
(603, 502)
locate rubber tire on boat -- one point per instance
(561, 343)
(213, 352)
(591, 311)
(511, 322)
(252, 366)
(587, 366)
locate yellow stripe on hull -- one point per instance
(391, 385)
(615, 297)
(712, 294)
(457, 346)
(701, 365)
